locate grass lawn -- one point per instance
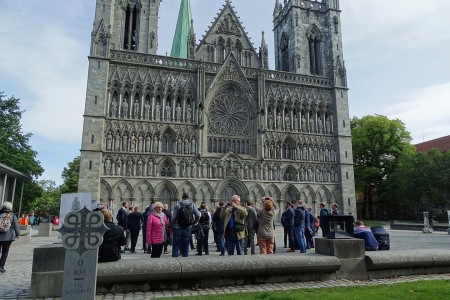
(436, 290)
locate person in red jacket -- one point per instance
(157, 229)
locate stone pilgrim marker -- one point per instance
(81, 235)
(426, 223)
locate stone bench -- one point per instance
(340, 259)
(202, 272)
(402, 263)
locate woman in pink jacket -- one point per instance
(157, 229)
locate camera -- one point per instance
(267, 198)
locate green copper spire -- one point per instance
(180, 38)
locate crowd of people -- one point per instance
(237, 229)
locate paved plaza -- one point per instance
(15, 283)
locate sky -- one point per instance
(396, 54)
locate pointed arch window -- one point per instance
(132, 14)
(315, 50)
(167, 142)
(284, 47)
(221, 50)
(239, 51)
(227, 193)
(167, 169)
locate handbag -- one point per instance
(239, 227)
(256, 223)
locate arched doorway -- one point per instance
(167, 196)
(227, 193)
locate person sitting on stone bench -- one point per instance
(364, 232)
(112, 239)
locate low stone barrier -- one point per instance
(25, 234)
(202, 272)
(402, 263)
(343, 259)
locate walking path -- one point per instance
(15, 283)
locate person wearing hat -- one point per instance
(9, 232)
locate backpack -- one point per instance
(204, 217)
(5, 222)
(185, 216)
(284, 219)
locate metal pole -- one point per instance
(21, 197)
(14, 191)
(4, 188)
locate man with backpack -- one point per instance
(204, 224)
(9, 232)
(287, 221)
(185, 214)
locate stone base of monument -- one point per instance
(350, 252)
(47, 271)
(46, 230)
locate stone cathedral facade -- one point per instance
(217, 122)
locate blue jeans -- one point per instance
(220, 243)
(181, 237)
(300, 236)
(232, 242)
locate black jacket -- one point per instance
(218, 221)
(112, 240)
(134, 221)
(122, 217)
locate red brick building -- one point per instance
(442, 144)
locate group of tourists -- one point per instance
(236, 228)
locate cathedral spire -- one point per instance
(278, 8)
(264, 53)
(182, 31)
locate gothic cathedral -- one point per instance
(211, 119)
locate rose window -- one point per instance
(229, 115)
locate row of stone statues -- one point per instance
(142, 143)
(158, 113)
(323, 153)
(312, 126)
(140, 167)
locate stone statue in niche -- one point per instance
(303, 124)
(109, 141)
(125, 142)
(279, 122)
(141, 143)
(147, 110)
(119, 167)
(193, 146)
(265, 172)
(270, 121)
(205, 170)
(287, 123)
(178, 113)
(312, 129)
(155, 145)
(319, 125)
(125, 108)
(117, 142)
(168, 112)
(246, 170)
(157, 111)
(148, 141)
(194, 170)
(114, 108)
(133, 143)
(183, 169)
(188, 114)
(200, 116)
(186, 146)
(179, 145)
(107, 166)
(139, 167)
(295, 123)
(255, 172)
(129, 168)
(136, 110)
(328, 125)
(150, 168)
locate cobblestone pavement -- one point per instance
(15, 283)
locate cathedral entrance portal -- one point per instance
(227, 193)
(168, 197)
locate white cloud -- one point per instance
(426, 112)
(399, 24)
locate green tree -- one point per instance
(70, 176)
(15, 150)
(49, 201)
(377, 144)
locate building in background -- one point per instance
(442, 143)
(212, 119)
